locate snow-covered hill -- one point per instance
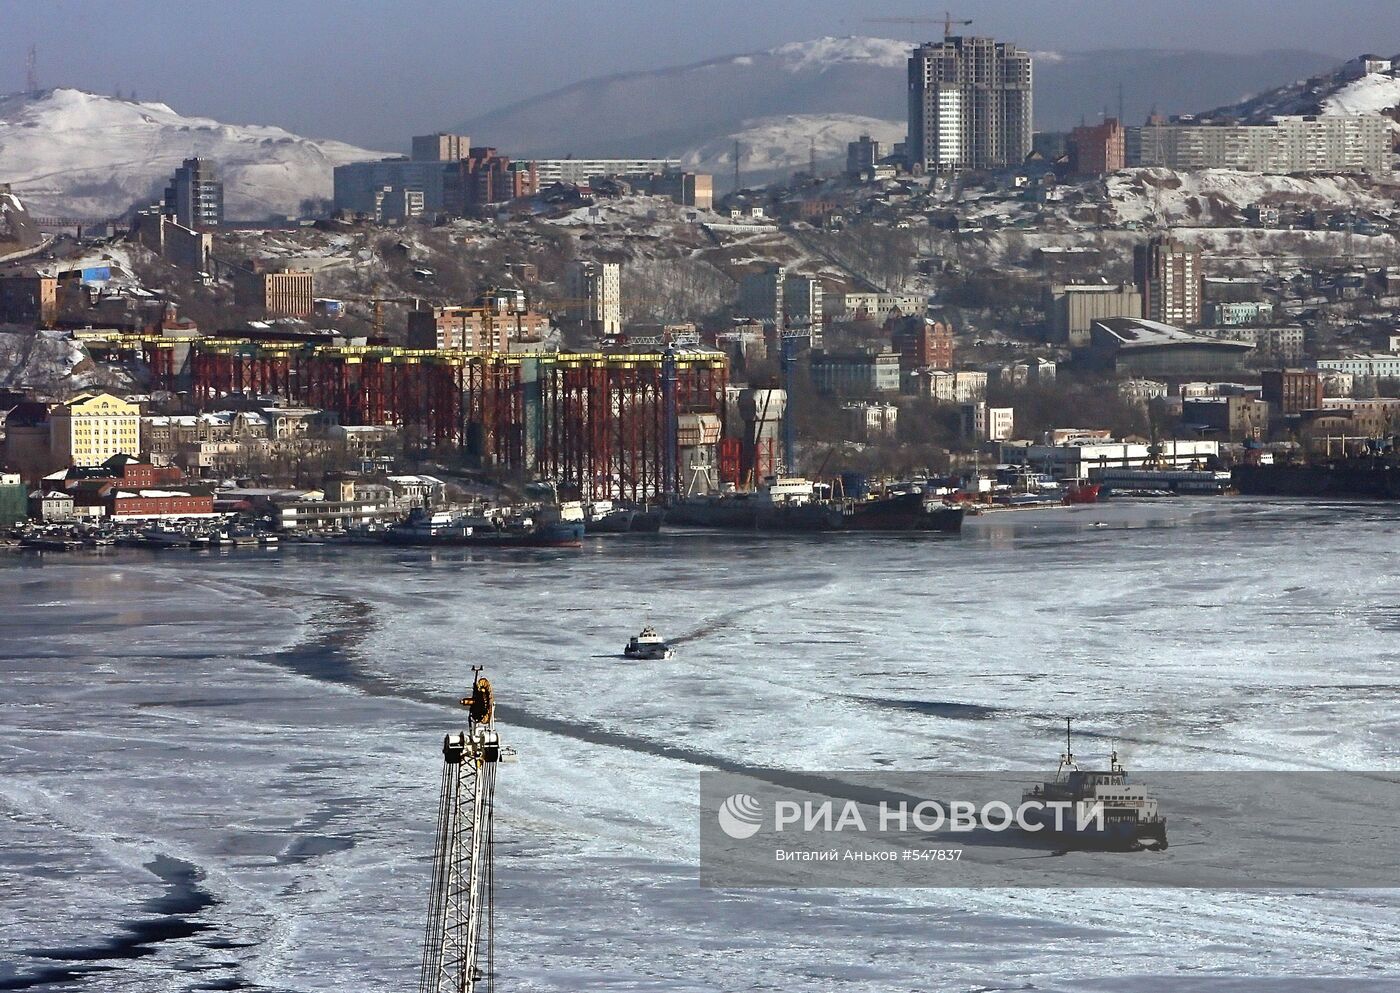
(775, 145)
(74, 154)
(1342, 90)
(690, 110)
(1163, 197)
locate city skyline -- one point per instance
(250, 64)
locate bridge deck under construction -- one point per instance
(604, 423)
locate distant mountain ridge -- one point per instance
(70, 153)
(691, 111)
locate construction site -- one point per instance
(631, 425)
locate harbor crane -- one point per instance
(459, 941)
(947, 20)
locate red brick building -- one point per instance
(921, 343)
(189, 501)
(1098, 149)
(1292, 390)
(486, 177)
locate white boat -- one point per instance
(648, 646)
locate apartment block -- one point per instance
(1168, 274)
(1330, 143)
(970, 105)
(595, 295)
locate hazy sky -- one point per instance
(372, 71)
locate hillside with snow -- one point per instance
(690, 111)
(773, 146)
(74, 154)
(1163, 197)
(1341, 90)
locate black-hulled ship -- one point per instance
(1366, 478)
(544, 528)
(1095, 808)
(791, 504)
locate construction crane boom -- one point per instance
(947, 20)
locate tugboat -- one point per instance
(1129, 819)
(648, 646)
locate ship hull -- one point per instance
(1367, 481)
(1127, 834)
(565, 534)
(900, 513)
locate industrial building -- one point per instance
(969, 105)
(1150, 348)
(1071, 307)
(1082, 459)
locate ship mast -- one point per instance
(461, 912)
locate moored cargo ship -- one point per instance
(1360, 478)
(790, 504)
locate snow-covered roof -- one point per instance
(1137, 332)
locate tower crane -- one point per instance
(459, 941)
(947, 20)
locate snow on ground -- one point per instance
(76, 154)
(783, 143)
(1163, 195)
(1371, 94)
(42, 357)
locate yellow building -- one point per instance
(92, 427)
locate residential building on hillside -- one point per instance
(479, 328)
(1097, 149)
(969, 105)
(486, 177)
(440, 147)
(1377, 365)
(802, 305)
(855, 372)
(275, 294)
(877, 306)
(195, 196)
(1291, 391)
(922, 343)
(761, 295)
(1168, 274)
(359, 187)
(1326, 143)
(92, 427)
(862, 155)
(576, 172)
(983, 423)
(595, 295)
(30, 300)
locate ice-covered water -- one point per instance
(221, 771)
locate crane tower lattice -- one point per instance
(459, 941)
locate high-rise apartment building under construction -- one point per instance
(969, 105)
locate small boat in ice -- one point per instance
(648, 646)
(1095, 808)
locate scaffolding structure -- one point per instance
(603, 425)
